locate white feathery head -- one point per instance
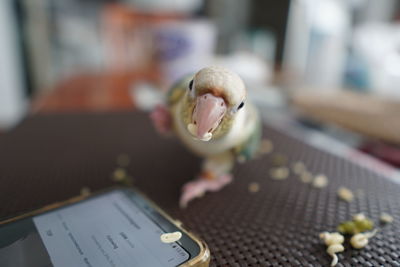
(222, 80)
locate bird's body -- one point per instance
(207, 113)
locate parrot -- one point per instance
(209, 113)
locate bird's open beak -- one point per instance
(207, 115)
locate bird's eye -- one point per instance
(191, 85)
(241, 105)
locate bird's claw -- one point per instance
(200, 186)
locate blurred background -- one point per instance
(332, 65)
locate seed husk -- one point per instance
(359, 217)
(171, 237)
(360, 240)
(279, 173)
(332, 238)
(334, 242)
(320, 181)
(254, 187)
(119, 175)
(332, 250)
(386, 218)
(345, 194)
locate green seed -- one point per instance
(364, 225)
(347, 227)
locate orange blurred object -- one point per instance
(91, 92)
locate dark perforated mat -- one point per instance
(49, 158)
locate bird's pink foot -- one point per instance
(162, 119)
(200, 186)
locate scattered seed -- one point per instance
(347, 227)
(332, 250)
(364, 225)
(357, 228)
(279, 173)
(85, 191)
(360, 240)
(299, 168)
(170, 237)
(119, 175)
(345, 194)
(306, 177)
(386, 218)
(123, 160)
(320, 181)
(359, 217)
(279, 160)
(331, 238)
(254, 187)
(359, 224)
(266, 146)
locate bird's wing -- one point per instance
(178, 90)
(249, 148)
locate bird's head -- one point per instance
(214, 96)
